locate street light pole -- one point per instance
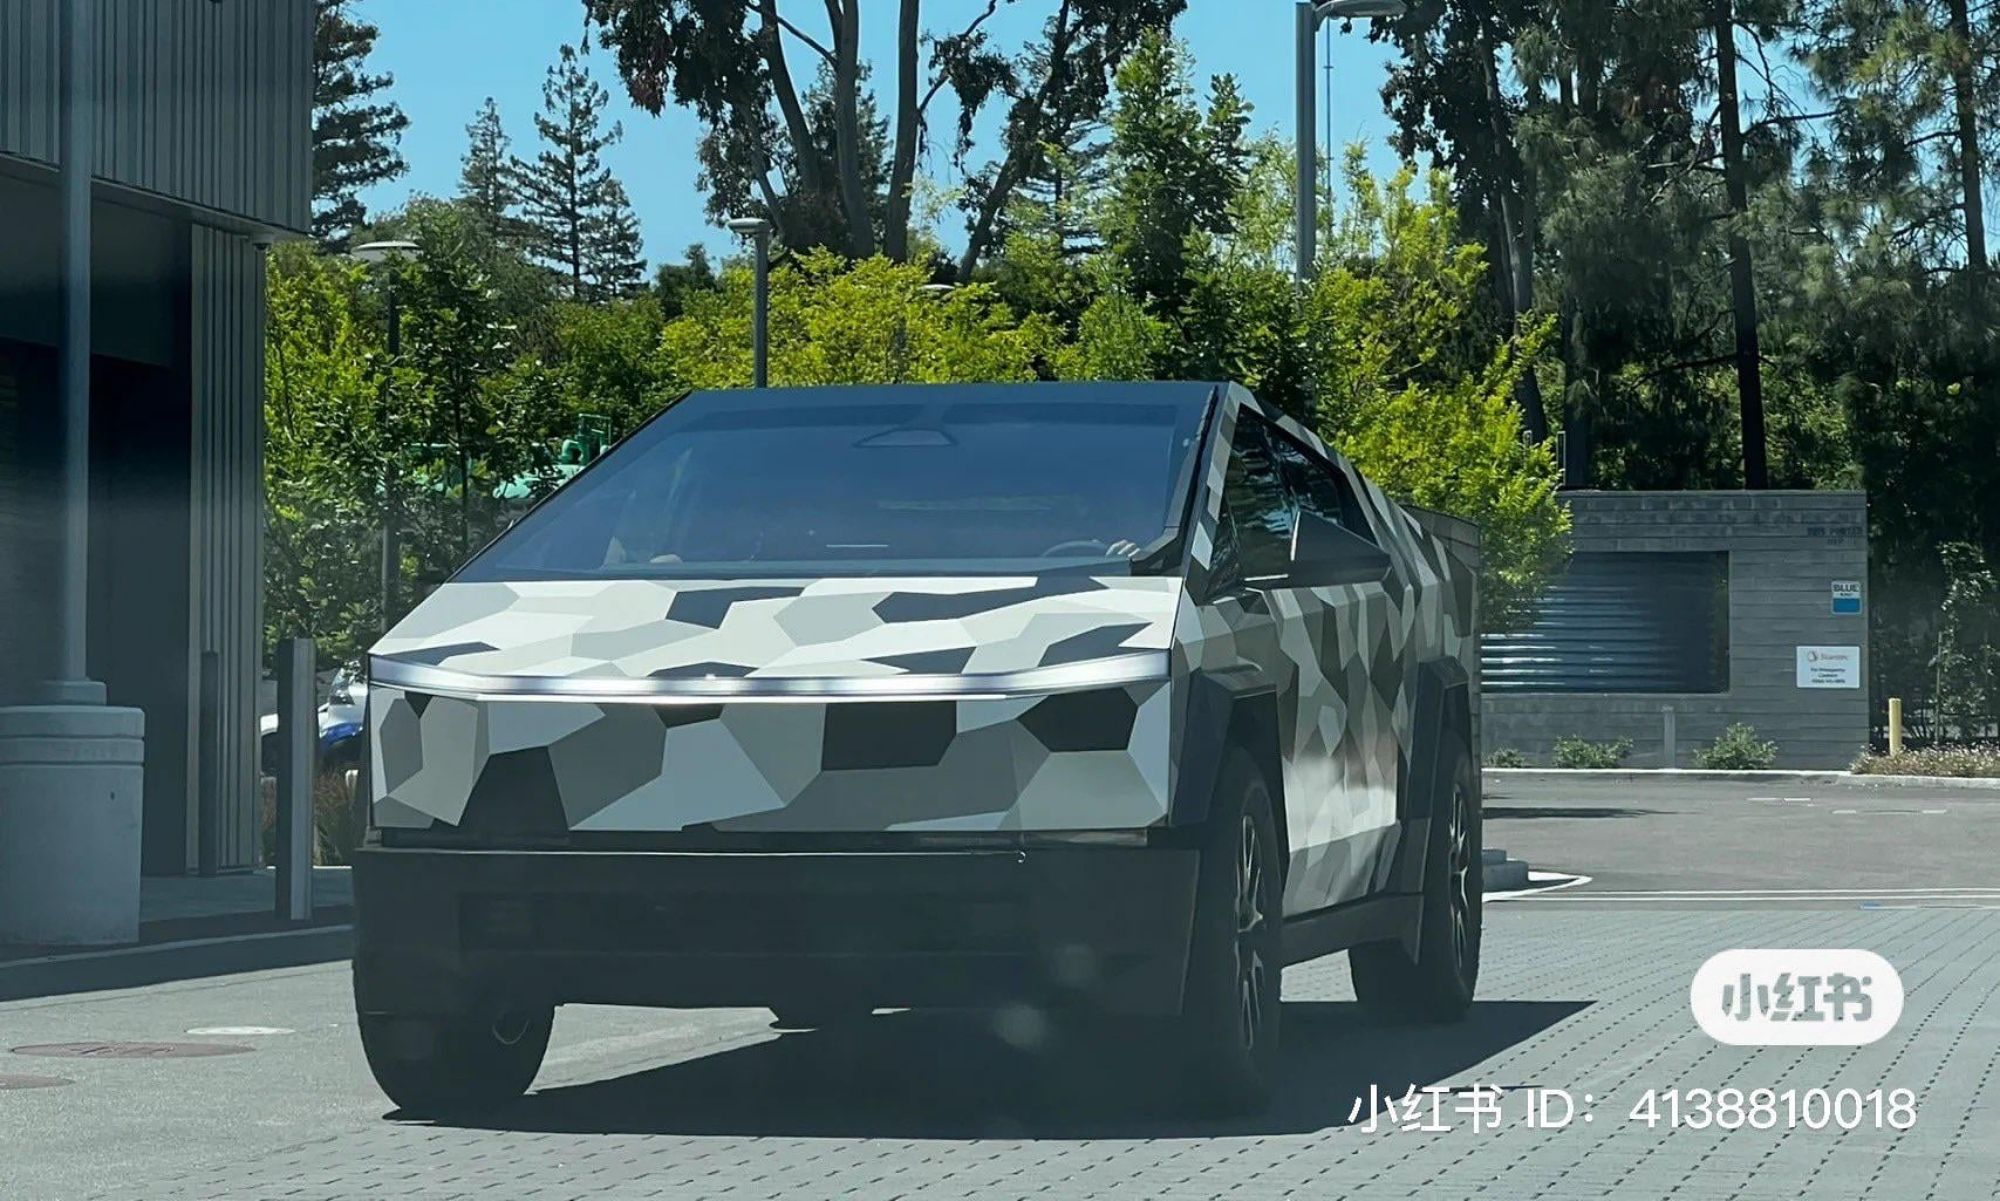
(71, 683)
(1309, 14)
(1306, 205)
(392, 518)
(758, 231)
(383, 254)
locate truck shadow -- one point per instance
(939, 1075)
(1529, 812)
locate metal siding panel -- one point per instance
(228, 305)
(210, 104)
(28, 101)
(1620, 623)
(253, 561)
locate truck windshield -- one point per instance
(859, 481)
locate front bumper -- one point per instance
(443, 931)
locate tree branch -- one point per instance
(1015, 165)
(802, 35)
(909, 117)
(811, 169)
(992, 6)
(1693, 365)
(1790, 119)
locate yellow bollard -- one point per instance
(1895, 725)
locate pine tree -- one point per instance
(617, 262)
(1916, 90)
(486, 182)
(675, 282)
(578, 221)
(355, 135)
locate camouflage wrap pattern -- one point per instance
(951, 738)
(1342, 662)
(1078, 758)
(782, 629)
(1091, 759)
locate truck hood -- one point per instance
(626, 636)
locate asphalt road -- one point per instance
(1585, 995)
(1776, 837)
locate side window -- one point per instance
(1256, 503)
(1321, 489)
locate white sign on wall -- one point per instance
(1829, 667)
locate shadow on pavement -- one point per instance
(938, 1075)
(1525, 812)
(179, 949)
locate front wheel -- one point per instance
(1437, 984)
(432, 1065)
(1228, 1029)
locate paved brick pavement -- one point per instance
(1588, 999)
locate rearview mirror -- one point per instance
(1327, 555)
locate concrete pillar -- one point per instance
(70, 803)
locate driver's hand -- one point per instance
(1124, 548)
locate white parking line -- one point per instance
(1869, 897)
(1538, 883)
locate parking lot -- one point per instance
(1584, 997)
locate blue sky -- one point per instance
(447, 56)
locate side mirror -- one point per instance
(1327, 555)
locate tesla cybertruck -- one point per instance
(1099, 698)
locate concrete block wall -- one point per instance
(1785, 551)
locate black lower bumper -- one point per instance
(442, 931)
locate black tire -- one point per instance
(1227, 1034)
(1437, 985)
(431, 1066)
(819, 1016)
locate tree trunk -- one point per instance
(1021, 152)
(847, 126)
(1517, 258)
(903, 171)
(1963, 85)
(812, 168)
(1742, 281)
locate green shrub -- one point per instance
(338, 821)
(1578, 752)
(1506, 756)
(1737, 749)
(1981, 760)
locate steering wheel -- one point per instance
(1094, 545)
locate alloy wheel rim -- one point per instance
(511, 1027)
(1251, 970)
(1461, 877)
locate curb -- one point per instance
(1633, 775)
(185, 959)
(1501, 874)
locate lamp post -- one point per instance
(758, 230)
(386, 254)
(71, 683)
(1309, 16)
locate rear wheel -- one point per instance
(1437, 984)
(1228, 1028)
(431, 1065)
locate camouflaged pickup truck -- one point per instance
(1094, 698)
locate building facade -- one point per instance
(203, 135)
(1722, 607)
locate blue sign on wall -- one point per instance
(1846, 597)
